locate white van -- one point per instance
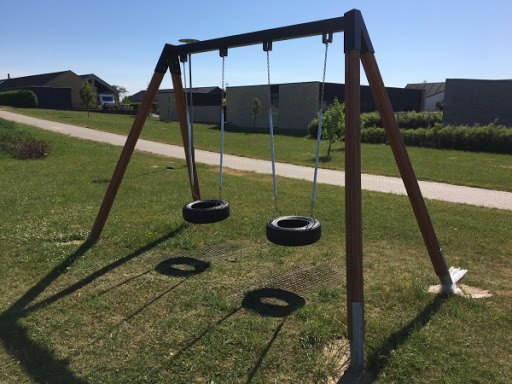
(106, 100)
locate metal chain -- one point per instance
(222, 74)
(185, 85)
(190, 96)
(322, 90)
(268, 81)
(221, 127)
(319, 131)
(271, 128)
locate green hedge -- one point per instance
(485, 138)
(313, 128)
(406, 120)
(20, 143)
(373, 135)
(23, 98)
(155, 107)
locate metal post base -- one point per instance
(449, 283)
(357, 340)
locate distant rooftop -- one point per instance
(431, 89)
(194, 90)
(27, 81)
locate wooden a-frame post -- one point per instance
(144, 109)
(358, 49)
(353, 202)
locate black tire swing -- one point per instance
(209, 210)
(295, 230)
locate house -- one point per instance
(471, 101)
(100, 86)
(137, 97)
(434, 95)
(206, 103)
(59, 90)
(294, 105)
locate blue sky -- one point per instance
(120, 41)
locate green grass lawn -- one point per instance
(106, 314)
(484, 170)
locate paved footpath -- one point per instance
(431, 190)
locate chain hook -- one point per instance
(327, 37)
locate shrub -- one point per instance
(334, 121)
(21, 144)
(313, 128)
(333, 128)
(87, 97)
(415, 120)
(333, 124)
(373, 135)
(406, 120)
(23, 98)
(487, 138)
(370, 120)
(155, 107)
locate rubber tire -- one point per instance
(206, 211)
(286, 230)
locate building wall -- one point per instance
(432, 102)
(294, 105)
(69, 80)
(239, 107)
(402, 99)
(167, 106)
(478, 101)
(298, 105)
(209, 114)
(53, 98)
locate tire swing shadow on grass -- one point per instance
(182, 266)
(272, 302)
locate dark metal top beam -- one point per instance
(275, 34)
(313, 28)
(222, 44)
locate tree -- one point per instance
(256, 107)
(120, 90)
(334, 124)
(87, 96)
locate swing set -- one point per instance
(295, 230)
